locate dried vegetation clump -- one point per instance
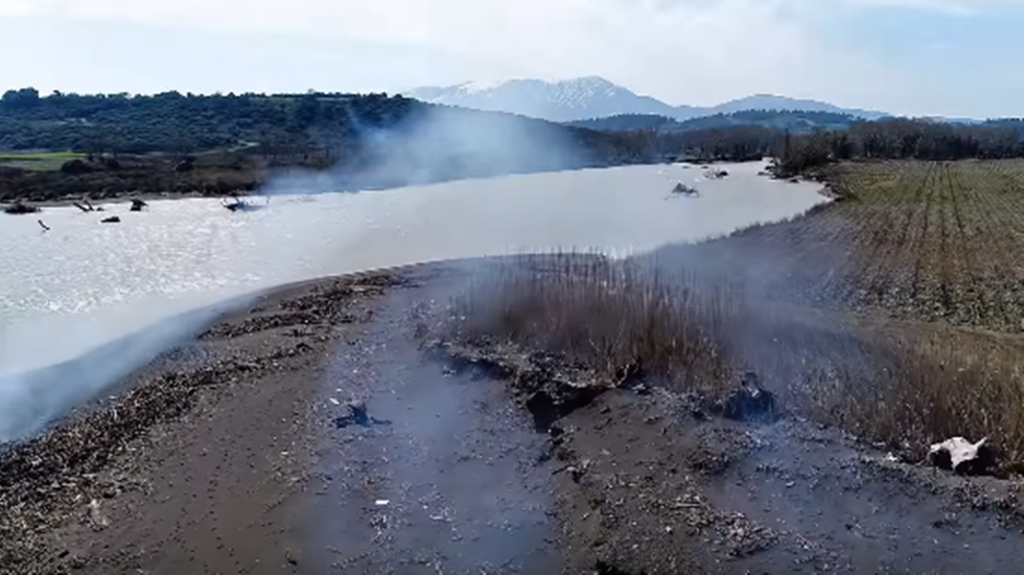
(902, 385)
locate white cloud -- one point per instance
(683, 50)
(954, 7)
(16, 7)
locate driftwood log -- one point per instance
(85, 206)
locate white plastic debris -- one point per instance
(956, 453)
(334, 401)
(96, 516)
(381, 502)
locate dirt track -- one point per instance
(258, 474)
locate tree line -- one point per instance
(798, 151)
(900, 139)
(798, 121)
(119, 123)
(322, 129)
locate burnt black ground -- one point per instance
(254, 476)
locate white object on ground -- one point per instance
(960, 450)
(96, 515)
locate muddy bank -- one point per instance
(240, 454)
(129, 197)
(185, 430)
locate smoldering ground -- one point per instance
(443, 478)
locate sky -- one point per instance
(958, 58)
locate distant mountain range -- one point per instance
(594, 97)
(796, 121)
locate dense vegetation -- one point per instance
(901, 139)
(796, 121)
(119, 123)
(805, 140)
(117, 144)
(798, 152)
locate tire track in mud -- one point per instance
(895, 240)
(973, 302)
(957, 256)
(948, 264)
(923, 201)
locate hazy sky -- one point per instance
(950, 57)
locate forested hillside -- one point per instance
(108, 145)
(794, 121)
(175, 122)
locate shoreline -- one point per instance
(243, 192)
(88, 454)
(220, 311)
(69, 202)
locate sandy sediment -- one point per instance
(240, 453)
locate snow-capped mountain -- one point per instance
(595, 97)
(563, 101)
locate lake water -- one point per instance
(84, 283)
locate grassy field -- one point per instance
(41, 180)
(43, 161)
(892, 313)
(917, 240)
(935, 241)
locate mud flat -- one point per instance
(331, 429)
